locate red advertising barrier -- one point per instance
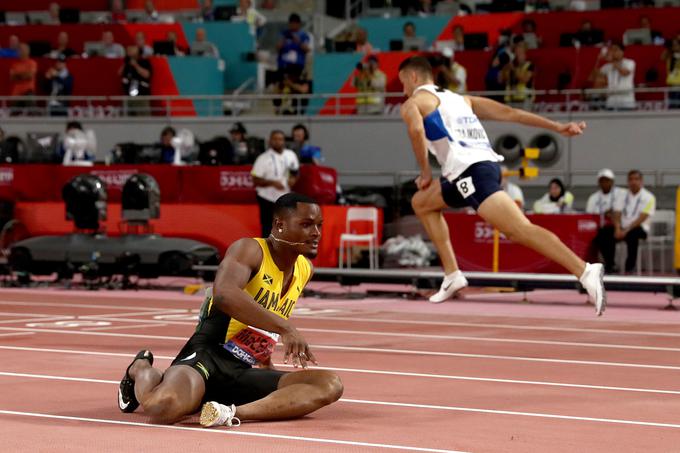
(178, 184)
(472, 240)
(215, 224)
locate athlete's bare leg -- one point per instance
(428, 205)
(298, 394)
(167, 397)
(500, 211)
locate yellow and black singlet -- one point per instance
(248, 343)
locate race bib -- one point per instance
(252, 345)
(465, 186)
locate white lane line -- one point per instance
(492, 326)
(494, 340)
(428, 336)
(409, 405)
(19, 315)
(380, 372)
(136, 308)
(37, 319)
(238, 432)
(496, 357)
(129, 326)
(377, 350)
(18, 334)
(362, 318)
(526, 414)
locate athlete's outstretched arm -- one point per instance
(488, 109)
(242, 259)
(416, 132)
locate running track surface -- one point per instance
(485, 374)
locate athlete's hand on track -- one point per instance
(424, 180)
(297, 349)
(571, 129)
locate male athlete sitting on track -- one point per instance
(255, 291)
(448, 125)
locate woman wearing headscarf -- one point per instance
(556, 200)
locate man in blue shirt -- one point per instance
(294, 43)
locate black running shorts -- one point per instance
(473, 186)
(228, 380)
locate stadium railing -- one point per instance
(542, 101)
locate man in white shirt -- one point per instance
(620, 73)
(632, 216)
(512, 189)
(602, 203)
(274, 173)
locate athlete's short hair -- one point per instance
(287, 203)
(418, 64)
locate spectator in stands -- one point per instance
(239, 142)
(144, 49)
(520, 79)
(111, 49)
(12, 49)
(118, 14)
(458, 38)
(294, 82)
(274, 173)
(496, 74)
(632, 220)
(22, 76)
(207, 13)
(534, 6)
(150, 13)
(452, 75)
(602, 203)
(78, 154)
(587, 35)
(294, 44)
(202, 47)
(671, 56)
(308, 154)
(597, 100)
(53, 12)
(410, 39)
(62, 47)
(167, 155)
(177, 50)
(247, 13)
(59, 82)
(657, 37)
(363, 46)
(425, 7)
(136, 80)
(556, 200)
(620, 73)
(370, 82)
(512, 189)
(531, 39)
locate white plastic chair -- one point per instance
(348, 239)
(659, 239)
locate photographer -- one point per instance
(620, 74)
(369, 80)
(136, 80)
(294, 82)
(294, 44)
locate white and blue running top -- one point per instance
(455, 135)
